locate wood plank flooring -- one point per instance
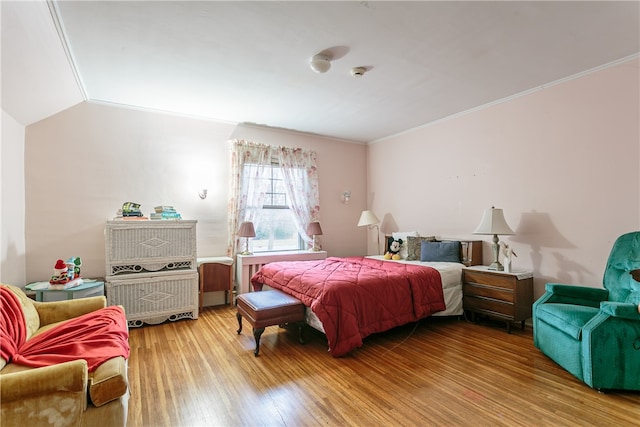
(438, 372)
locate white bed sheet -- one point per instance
(451, 274)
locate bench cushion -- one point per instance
(268, 308)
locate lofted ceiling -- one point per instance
(248, 62)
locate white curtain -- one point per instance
(249, 185)
(242, 203)
(301, 181)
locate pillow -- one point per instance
(414, 248)
(403, 235)
(440, 251)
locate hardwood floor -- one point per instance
(439, 372)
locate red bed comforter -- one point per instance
(356, 296)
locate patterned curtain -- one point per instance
(249, 185)
(301, 181)
(248, 161)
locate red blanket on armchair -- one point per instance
(95, 337)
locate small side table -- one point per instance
(216, 274)
(506, 296)
(89, 288)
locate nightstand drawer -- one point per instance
(489, 306)
(472, 289)
(493, 280)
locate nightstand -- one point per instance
(506, 296)
(215, 274)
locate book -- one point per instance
(165, 215)
(163, 208)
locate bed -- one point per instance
(351, 298)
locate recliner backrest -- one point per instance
(624, 257)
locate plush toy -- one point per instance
(60, 273)
(394, 249)
(76, 263)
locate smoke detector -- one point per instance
(358, 71)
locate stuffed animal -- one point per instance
(394, 249)
(61, 274)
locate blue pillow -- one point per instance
(440, 251)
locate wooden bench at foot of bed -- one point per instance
(268, 308)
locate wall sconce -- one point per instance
(203, 193)
(346, 196)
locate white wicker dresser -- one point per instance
(151, 269)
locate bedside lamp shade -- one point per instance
(314, 229)
(369, 219)
(246, 230)
(493, 223)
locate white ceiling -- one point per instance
(242, 61)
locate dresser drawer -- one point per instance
(150, 247)
(153, 300)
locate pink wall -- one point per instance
(83, 163)
(12, 204)
(562, 162)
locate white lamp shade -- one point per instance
(493, 222)
(368, 218)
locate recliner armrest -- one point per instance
(571, 294)
(624, 310)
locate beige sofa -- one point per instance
(65, 394)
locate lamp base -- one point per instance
(496, 266)
(314, 246)
(246, 248)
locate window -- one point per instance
(275, 225)
(276, 188)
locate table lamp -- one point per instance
(314, 229)
(493, 222)
(246, 230)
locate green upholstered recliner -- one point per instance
(595, 333)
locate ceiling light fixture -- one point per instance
(320, 63)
